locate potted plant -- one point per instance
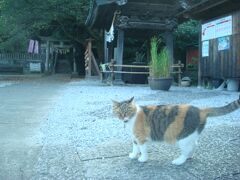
(159, 68)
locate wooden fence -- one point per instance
(20, 62)
(110, 68)
(5, 57)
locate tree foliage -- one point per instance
(23, 19)
(186, 34)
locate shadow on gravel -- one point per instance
(217, 157)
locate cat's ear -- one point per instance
(131, 100)
(115, 103)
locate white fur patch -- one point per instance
(144, 153)
(135, 152)
(131, 122)
(187, 146)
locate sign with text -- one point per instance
(35, 67)
(208, 31)
(218, 28)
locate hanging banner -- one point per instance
(31, 46)
(218, 28)
(36, 47)
(205, 48)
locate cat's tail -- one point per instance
(220, 111)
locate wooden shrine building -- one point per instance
(134, 18)
(219, 40)
(60, 55)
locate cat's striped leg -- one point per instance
(187, 146)
(144, 153)
(135, 151)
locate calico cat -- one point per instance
(181, 124)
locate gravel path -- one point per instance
(83, 114)
(81, 126)
(80, 139)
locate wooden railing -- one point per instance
(109, 68)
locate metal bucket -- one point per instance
(232, 85)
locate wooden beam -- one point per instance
(209, 6)
(62, 46)
(169, 43)
(95, 65)
(147, 25)
(47, 57)
(149, 5)
(120, 44)
(201, 7)
(119, 52)
(132, 66)
(199, 57)
(105, 48)
(74, 61)
(148, 11)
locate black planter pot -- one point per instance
(160, 83)
(136, 78)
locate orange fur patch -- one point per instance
(151, 108)
(203, 115)
(175, 128)
(141, 129)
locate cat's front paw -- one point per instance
(179, 161)
(132, 155)
(143, 158)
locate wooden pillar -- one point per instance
(74, 61)
(106, 60)
(106, 54)
(47, 57)
(119, 54)
(199, 57)
(74, 73)
(88, 58)
(169, 43)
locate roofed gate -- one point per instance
(120, 18)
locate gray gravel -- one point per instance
(83, 114)
(80, 138)
(82, 118)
